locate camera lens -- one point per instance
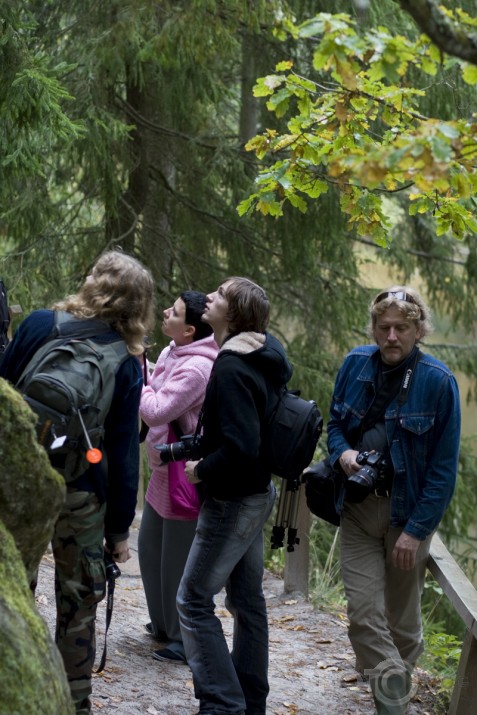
(177, 451)
(165, 452)
(359, 485)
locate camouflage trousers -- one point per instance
(80, 584)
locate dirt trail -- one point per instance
(311, 662)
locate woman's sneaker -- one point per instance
(160, 636)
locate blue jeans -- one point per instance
(227, 551)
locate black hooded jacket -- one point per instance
(240, 396)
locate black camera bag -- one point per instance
(324, 491)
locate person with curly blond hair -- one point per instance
(100, 503)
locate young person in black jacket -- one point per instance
(228, 546)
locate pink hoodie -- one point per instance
(175, 392)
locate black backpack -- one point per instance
(4, 318)
(69, 384)
(292, 434)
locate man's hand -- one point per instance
(404, 552)
(190, 474)
(348, 462)
(120, 551)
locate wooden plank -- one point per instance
(464, 695)
(455, 584)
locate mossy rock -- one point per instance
(31, 491)
(32, 677)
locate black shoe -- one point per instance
(83, 707)
(160, 636)
(167, 655)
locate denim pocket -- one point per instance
(417, 438)
(417, 424)
(252, 514)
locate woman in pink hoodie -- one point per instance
(174, 395)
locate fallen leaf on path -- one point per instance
(323, 665)
(292, 708)
(114, 669)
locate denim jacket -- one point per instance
(423, 444)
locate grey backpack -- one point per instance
(69, 384)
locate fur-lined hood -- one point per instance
(261, 350)
(244, 342)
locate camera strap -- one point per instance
(405, 387)
(109, 613)
(176, 429)
(200, 422)
(145, 367)
(406, 380)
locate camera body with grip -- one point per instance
(188, 447)
(370, 478)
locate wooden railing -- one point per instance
(454, 583)
(463, 597)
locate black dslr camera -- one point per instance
(370, 477)
(188, 447)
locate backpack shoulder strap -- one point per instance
(119, 348)
(66, 325)
(276, 393)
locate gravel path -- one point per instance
(311, 662)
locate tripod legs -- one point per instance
(287, 514)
